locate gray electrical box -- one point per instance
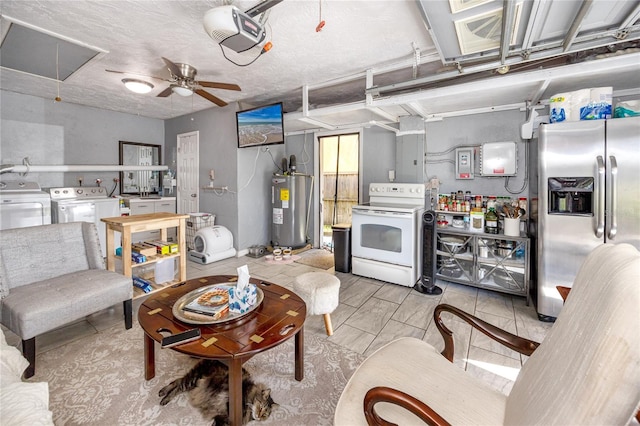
(464, 163)
(498, 159)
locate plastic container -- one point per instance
(476, 220)
(491, 222)
(164, 271)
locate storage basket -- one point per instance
(196, 222)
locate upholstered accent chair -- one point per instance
(586, 370)
(52, 275)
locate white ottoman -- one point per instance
(320, 291)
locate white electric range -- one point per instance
(386, 237)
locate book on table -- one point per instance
(214, 303)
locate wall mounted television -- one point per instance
(260, 126)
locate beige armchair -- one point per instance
(586, 371)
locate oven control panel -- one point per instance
(397, 190)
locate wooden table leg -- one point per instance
(235, 392)
(149, 358)
(299, 355)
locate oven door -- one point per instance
(383, 235)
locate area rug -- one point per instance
(99, 380)
(321, 259)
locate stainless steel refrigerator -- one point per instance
(588, 194)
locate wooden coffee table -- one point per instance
(280, 317)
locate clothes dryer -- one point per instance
(23, 204)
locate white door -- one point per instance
(188, 166)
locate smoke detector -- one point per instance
(234, 29)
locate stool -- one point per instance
(320, 291)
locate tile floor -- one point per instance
(372, 313)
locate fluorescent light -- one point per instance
(182, 90)
(137, 86)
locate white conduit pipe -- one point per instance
(81, 168)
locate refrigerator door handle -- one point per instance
(614, 197)
(600, 196)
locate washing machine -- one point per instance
(23, 204)
(84, 204)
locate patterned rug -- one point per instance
(317, 258)
(99, 380)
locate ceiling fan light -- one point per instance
(137, 86)
(182, 91)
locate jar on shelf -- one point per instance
(476, 220)
(491, 203)
(522, 203)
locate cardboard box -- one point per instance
(143, 249)
(161, 248)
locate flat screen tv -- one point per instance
(260, 126)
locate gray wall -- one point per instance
(57, 133)
(60, 133)
(378, 157)
(475, 130)
(246, 208)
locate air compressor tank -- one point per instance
(288, 217)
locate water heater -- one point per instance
(288, 212)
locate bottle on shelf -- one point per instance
(491, 221)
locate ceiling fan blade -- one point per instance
(135, 73)
(214, 85)
(211, 98)
(166, 92)
(175, 70)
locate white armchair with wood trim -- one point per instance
(586, 371)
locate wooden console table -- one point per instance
(128, 225)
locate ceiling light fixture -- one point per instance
(137, 86)
(182, 89)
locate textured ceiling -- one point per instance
(390, 39)
(135, 35)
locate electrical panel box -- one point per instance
(464, 163)
(498, 159)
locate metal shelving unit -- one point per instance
(490, 261)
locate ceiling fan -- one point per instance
(183, 82)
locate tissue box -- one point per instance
(241, 301)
